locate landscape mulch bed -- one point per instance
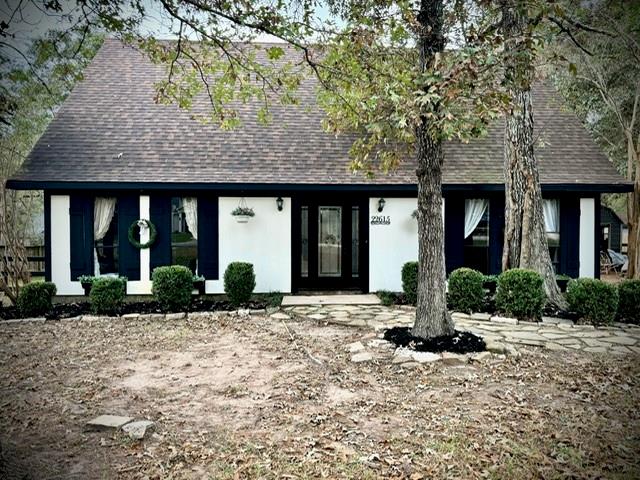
(459, 342)
(68, 310)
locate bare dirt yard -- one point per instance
(238, 398)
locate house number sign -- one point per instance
(380, 220)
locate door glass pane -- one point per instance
(355, 241)
(329, 241)
(304, 225)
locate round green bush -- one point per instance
(520, 293)
(172, 287)
(594, 300)
(410, 282)
(107, 295)
(34, 299)
(239, 282)
(465, 292)
(629, 303)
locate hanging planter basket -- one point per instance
(242, 212)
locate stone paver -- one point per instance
(503, 337)
(341, 300)
(106, 422)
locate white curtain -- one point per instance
(103, 210)
(551, 211)
(190, 205)
(474, 209)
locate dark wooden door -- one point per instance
(330, 243)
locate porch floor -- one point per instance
(353, 299)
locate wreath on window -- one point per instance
(140, 225)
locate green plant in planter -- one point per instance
(521, 293)
(199, 283)
(34, 299)
(86, 281)
(239, 282)
(465, 290)
(172, 287)
(629, 303)
(594, 300)
(243, 212)
(410, 282)
(107, 295)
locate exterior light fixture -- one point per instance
(280, 203)
(381, 203)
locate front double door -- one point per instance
(330, 240)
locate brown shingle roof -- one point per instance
(110, 130)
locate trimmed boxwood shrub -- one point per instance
(410, 282)
(629, 301)
(107, 295)
(34, 299)
(594, 300)
(239, 282)
(465, 292)
(172, 287)
(520, 293)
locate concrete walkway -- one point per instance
(356, 299)
(553, 334)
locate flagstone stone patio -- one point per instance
(500, 333)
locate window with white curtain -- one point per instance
(551, 213)
(184, 232)
(105, 236)
(476, 234)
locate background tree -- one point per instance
(603, 87)
(36, 91)
(525, 240)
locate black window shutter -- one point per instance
(496, 239)
(454, 232)
(208, 237)
(160, 209)
(81, 221)
(570, 236)
(129, 256)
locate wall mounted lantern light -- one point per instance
(280, 203)
(381, 203)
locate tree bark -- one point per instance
(633, 213)
(525, 239)
(432, 316)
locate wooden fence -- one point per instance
(35, 256)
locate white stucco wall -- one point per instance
(143, 286)
(61, 247)
(390, 246)
(587, 237)
(265, 241)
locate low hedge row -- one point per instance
(520, 293)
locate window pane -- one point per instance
(184, 244)
(329, 241)
(355, 241)
(476, 245)
(106, 249)
(304, 225)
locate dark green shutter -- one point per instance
(454, 232)
(208, 237)
(570, 236)
(81, 239)
(129, 256)
(496, 229)
(160, 209)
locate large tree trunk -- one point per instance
(633, 208)
(432, 317)
(525, 239)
